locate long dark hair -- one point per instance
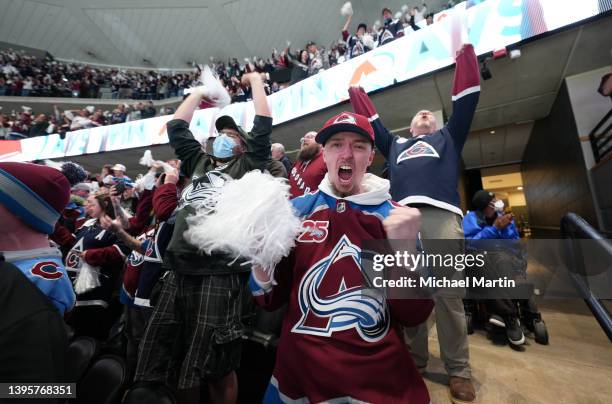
(106, 204)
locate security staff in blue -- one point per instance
(423, 171)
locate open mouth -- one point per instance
(345, 173)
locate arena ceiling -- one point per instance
(172, 34)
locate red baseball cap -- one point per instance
(346, 122)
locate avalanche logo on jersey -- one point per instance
(47, 270)
(135, 259)
(419, 149)
(352, 307)
(73, 259)
(201, 193)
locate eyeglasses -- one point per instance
(305, 138)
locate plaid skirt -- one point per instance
(195, 330)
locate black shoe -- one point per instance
(514, 331)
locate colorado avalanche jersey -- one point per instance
(425, 169)
(44, 268)
(105, 253)
(391, 30)
(133, 269)
(354, 45)
(153, 261)
(306, 176)
(340, 341)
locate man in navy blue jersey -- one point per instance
(424, 172)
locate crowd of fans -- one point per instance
(23, 75)
(25, 123)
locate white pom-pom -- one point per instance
(54, 164)
(211, 88)
(146, 159)
(87, 279)
(405, 8)
(262, 230)
(347, 9)
(376, 25)
(217, 93)
(398, 15)
(145, 182)
(368, 41)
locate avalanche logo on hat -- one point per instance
(419, 149)
(345, 118)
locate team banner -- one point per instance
(488, 25)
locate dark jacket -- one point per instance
(33, 339)
(200, 167)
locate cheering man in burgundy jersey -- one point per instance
(341, 341)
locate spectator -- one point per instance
(41, 124)
(317, 61)
(487, 222)
(391, 28)
(27, 87)
(420, 13)
(300, 65)
(309, 169)
(344, 328)
(119, 115)
(80, 119)
(208, 333)
(5, 127)
(148, 110)
(431, 184)
(36, 291)
(355, 43)
(278, 153)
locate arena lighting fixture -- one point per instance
(519, 188)
(492, 132)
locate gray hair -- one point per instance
(278, 147)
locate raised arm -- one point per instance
(362, 105)
(189, 105)
(345, 33)
(466, 90)
(260, 101)
(258, 140)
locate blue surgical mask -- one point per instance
(223, 147)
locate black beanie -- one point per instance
(481, 199)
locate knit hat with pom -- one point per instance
(37, 194)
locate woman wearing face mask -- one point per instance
(489, 222)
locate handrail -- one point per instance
(575, 227)
(600, 142)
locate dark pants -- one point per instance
(501, 307)
(136, 318)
